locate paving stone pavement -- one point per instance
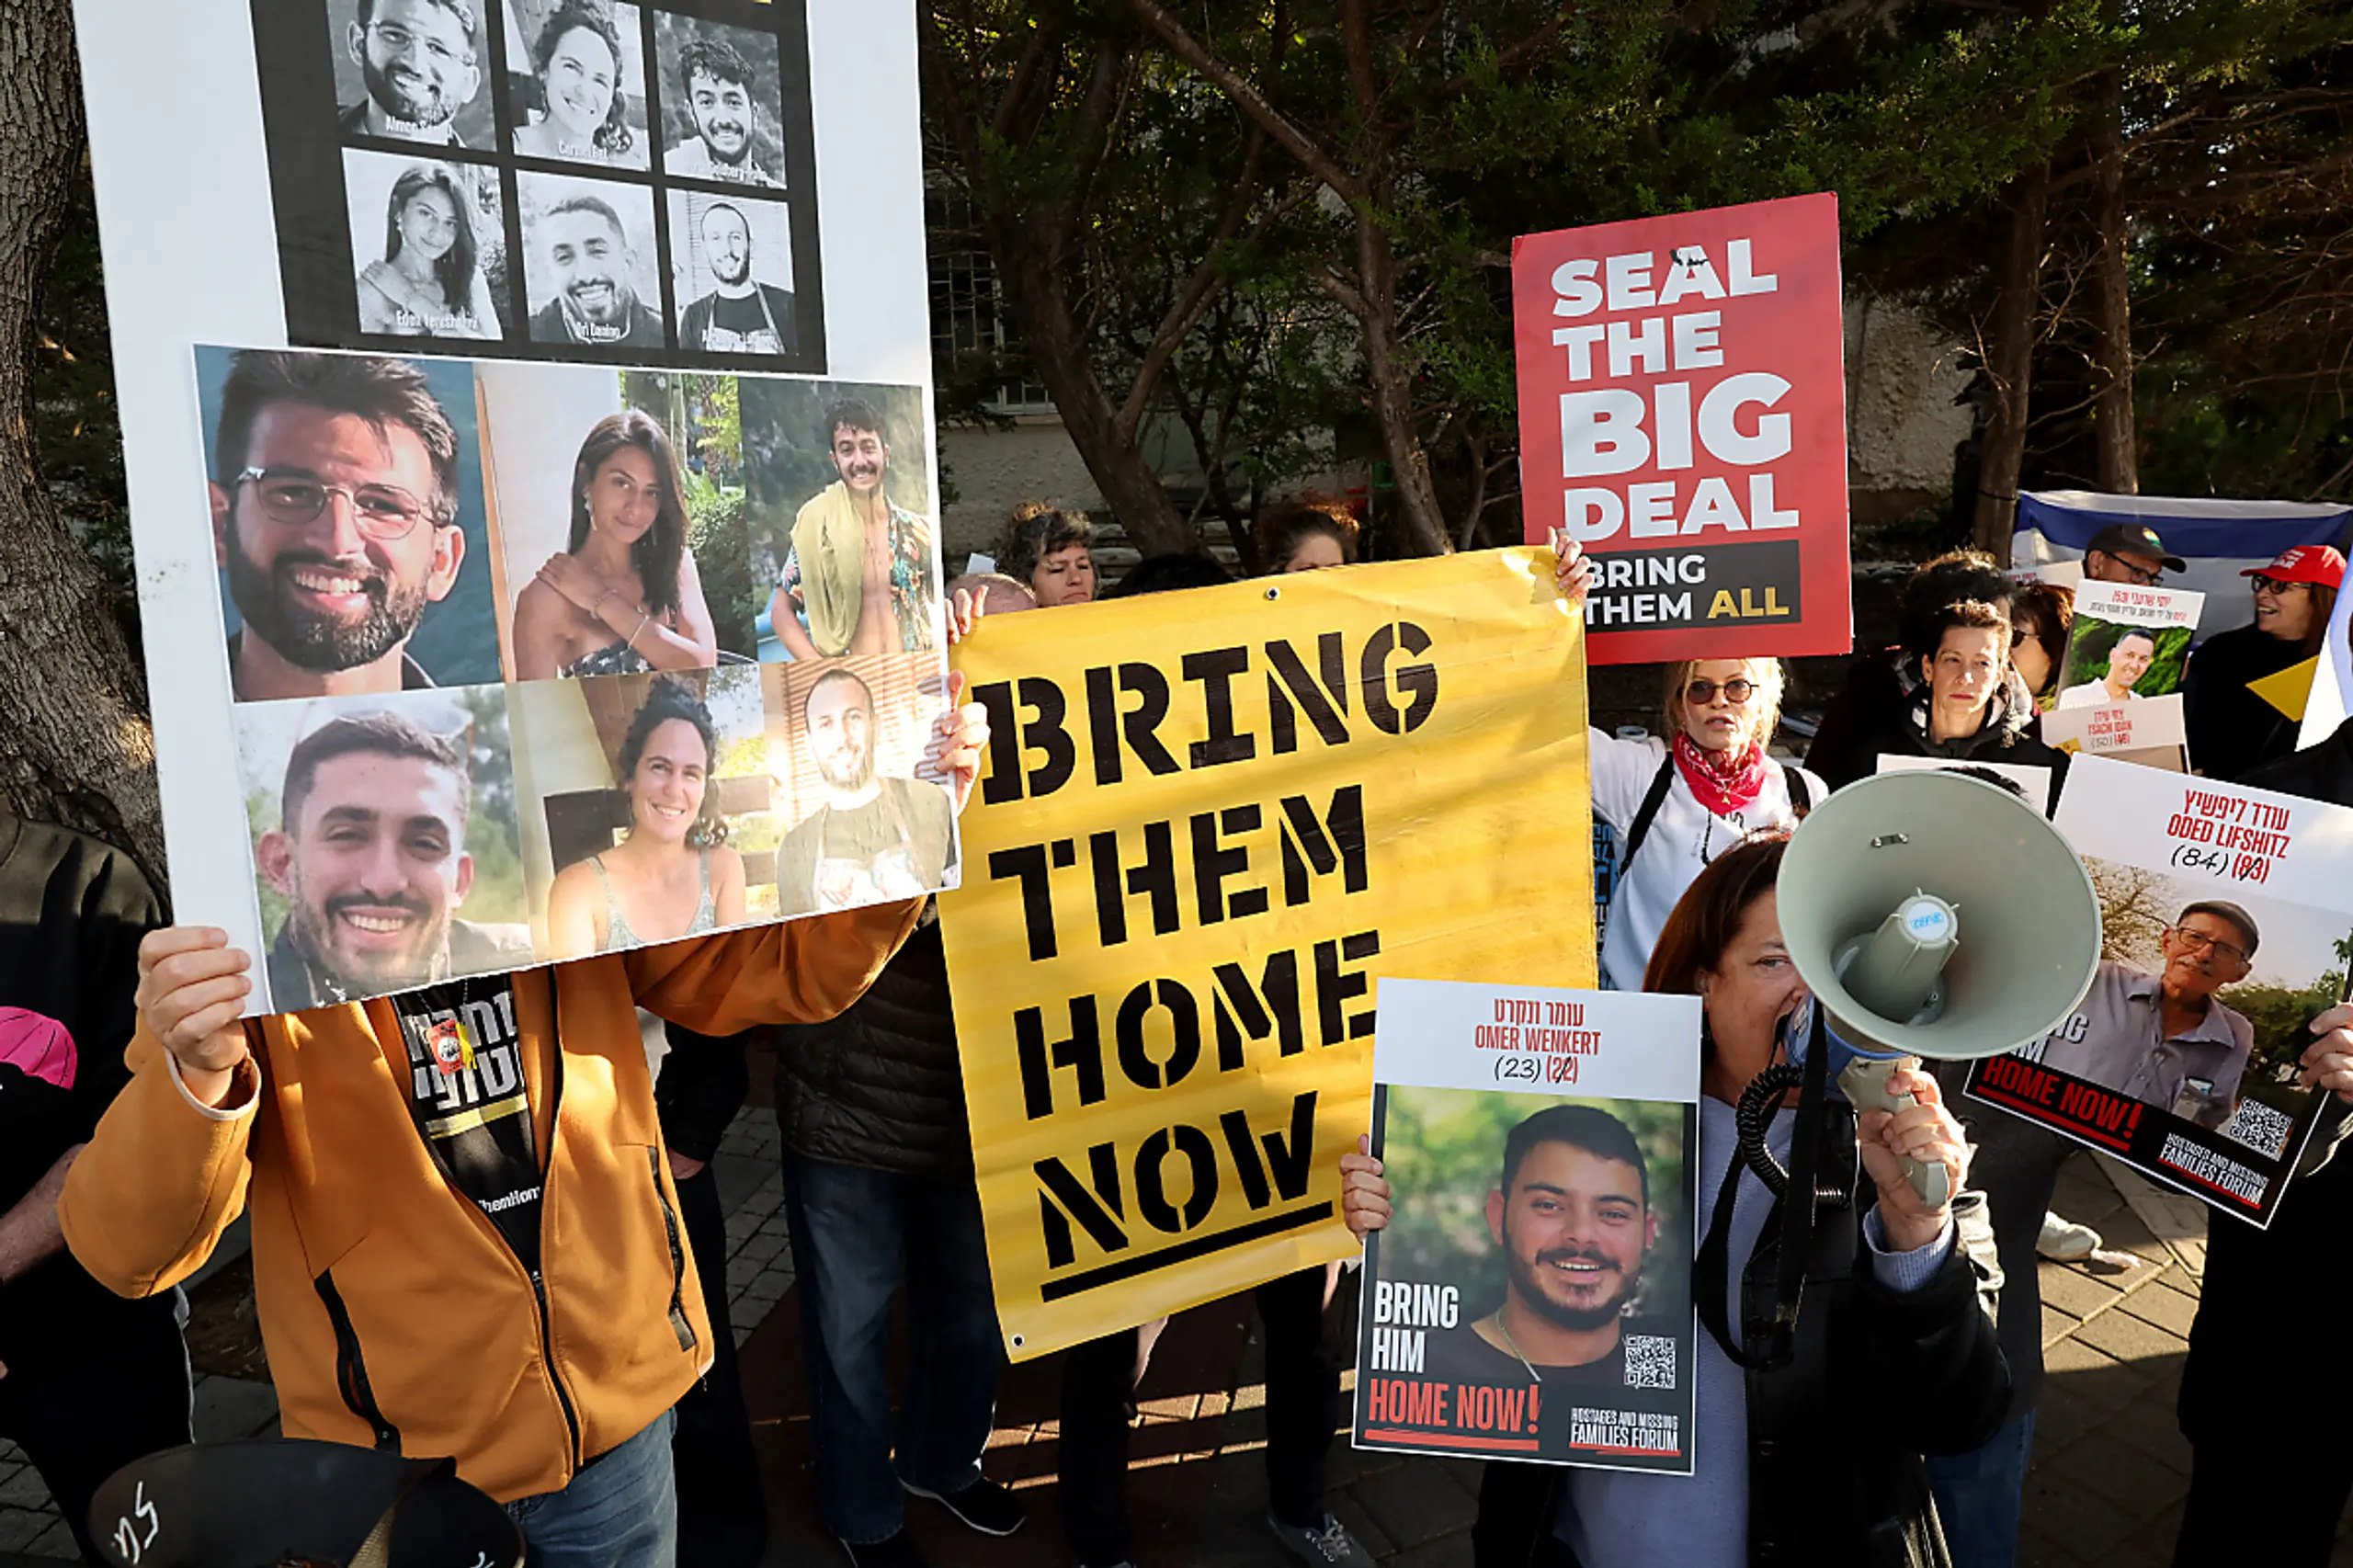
(2105, 1489)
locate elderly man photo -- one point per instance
(718, 83)
(370, 854)
(420, 63)
(858, 577)
(1571, 1211)
(2163, 1039)
(334, 516)
(2127, 661)
(584, 258)
(874, 838)
(742, 315)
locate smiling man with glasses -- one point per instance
(418, 62)
(2164, 1038)
(335, 517)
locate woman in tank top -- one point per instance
(670, 876)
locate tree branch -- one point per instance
(1250, 101)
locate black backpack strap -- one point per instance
(1638, 829)
(1800, 792)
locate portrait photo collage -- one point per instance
(530, 662)
(546, 179)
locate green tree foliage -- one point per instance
(1443, 1151)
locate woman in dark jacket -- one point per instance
(1880, 685)
(1812, 1456)
(2233, 731)
(1969, 705)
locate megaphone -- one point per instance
(1934, 915)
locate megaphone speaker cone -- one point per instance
(2026, 936)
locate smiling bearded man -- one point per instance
(1572, 1214)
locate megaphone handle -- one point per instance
(1864, 1083)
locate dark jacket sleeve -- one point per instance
(704, 1083)
(1936, 1352)
(119, 908)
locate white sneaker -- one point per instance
(2064, 1241)
(1326, 1545)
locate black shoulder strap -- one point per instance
(1800, 792)
(1640, 828)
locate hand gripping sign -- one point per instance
(1683, 415)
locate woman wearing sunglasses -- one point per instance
(2232, 730)
(1677, 803)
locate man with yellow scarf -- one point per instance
(858, 576)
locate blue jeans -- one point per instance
(620, 1512)
(855, 1234)
(1977, 1497)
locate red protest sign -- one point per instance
(1683, 414)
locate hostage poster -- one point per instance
(2121, 690)
(1683, 416)
(1530, 1298)
(1206, 821)
(2226, 927)
(503, 463)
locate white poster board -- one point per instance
(709, 212)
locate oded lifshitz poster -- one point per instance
(2227, 925)
(1531, 1297)
(506, 452)
(1683, 415)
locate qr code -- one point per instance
(2260, 1128)
(1650, 1361)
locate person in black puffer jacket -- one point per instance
(1809, 1452)
(1969, 705)
(2231, 1383)
(1881, 684)
(877, 1166)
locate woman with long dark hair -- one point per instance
(623, 596)
(1808, 1452)
(582, 113)
(429, 282)
(672, 874)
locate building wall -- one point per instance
(990, 470)
(1904, 410)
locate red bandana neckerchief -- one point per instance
(1725, 782)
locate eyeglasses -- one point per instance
(398, 39)
(293, 497)
(2200, 941)
(2145, 576)
(1702, 693)
(2264, 584)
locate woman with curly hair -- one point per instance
(672, 874)
(1051, 549)
(581, 115)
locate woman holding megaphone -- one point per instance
(1812, 1453)
(1679, 802)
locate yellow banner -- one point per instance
(1209, 819)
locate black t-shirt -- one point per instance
(894, 847)
(466, 1091)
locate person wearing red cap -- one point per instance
(2230, 729)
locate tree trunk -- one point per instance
(76, 746)
(1390, 372)
(2116, 453)
(2009, 365)
(1057, 350)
